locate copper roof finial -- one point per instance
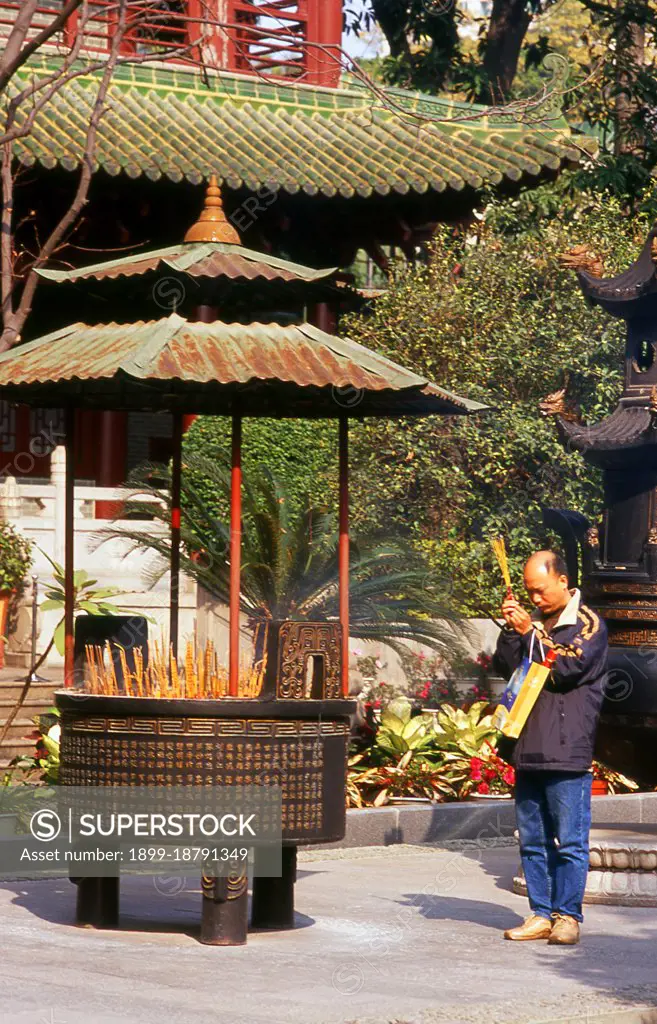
(212, 225)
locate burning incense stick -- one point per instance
(201, 675)
(499, 550)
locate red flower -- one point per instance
(509, 776)
(483, 788)
(475, 769)
(489, 774)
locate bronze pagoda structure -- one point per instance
(619, 555)
(260, 359)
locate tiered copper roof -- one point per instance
(218, 368)
(255, 369)
(200, 259)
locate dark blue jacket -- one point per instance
(559, 734)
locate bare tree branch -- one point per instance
(16, 53)
(39, 92)
(14, 321)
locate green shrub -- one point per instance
(15, 557)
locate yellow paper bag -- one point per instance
(535, 680)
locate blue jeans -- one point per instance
(554, 805)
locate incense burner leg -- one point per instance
(98, 902)
(224, 914)
(273, 898)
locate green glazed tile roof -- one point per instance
(204, 259)
(258, 135)
(218, 368)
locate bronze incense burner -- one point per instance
(294, 734)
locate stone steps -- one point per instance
(622, 868)
(40, 699)
(10, 690)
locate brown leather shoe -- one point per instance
(534, 927)
(565, 931)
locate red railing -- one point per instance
(293, 39)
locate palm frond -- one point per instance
(289, 565)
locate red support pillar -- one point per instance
(112, 435)
(324, 35)
(235, 556)
(69, 556)
(330, 31)
(176, 472)
(71, 28)
(343, 548)
(324, 316)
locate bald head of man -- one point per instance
(546, 582)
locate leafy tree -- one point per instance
(494, 316)
(502, 44)
(426, 52)
(619, 98)
(423, 40)
(15, 557)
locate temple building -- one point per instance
(315, 162)
(619, 560)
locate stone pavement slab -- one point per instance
(410, 935)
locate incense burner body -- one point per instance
(300, 745)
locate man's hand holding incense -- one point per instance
(515, 616)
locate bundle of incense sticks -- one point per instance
(499, 550)
(200, 677)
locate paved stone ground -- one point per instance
(398, 934)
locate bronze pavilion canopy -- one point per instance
(229, 369)
(220, 369)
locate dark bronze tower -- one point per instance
(619, 556)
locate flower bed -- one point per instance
(442, 755)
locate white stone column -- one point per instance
(58, 480)
(10, 501)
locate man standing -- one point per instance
(553, 755)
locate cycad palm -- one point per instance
(289, 560)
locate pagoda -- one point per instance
(619, 555)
